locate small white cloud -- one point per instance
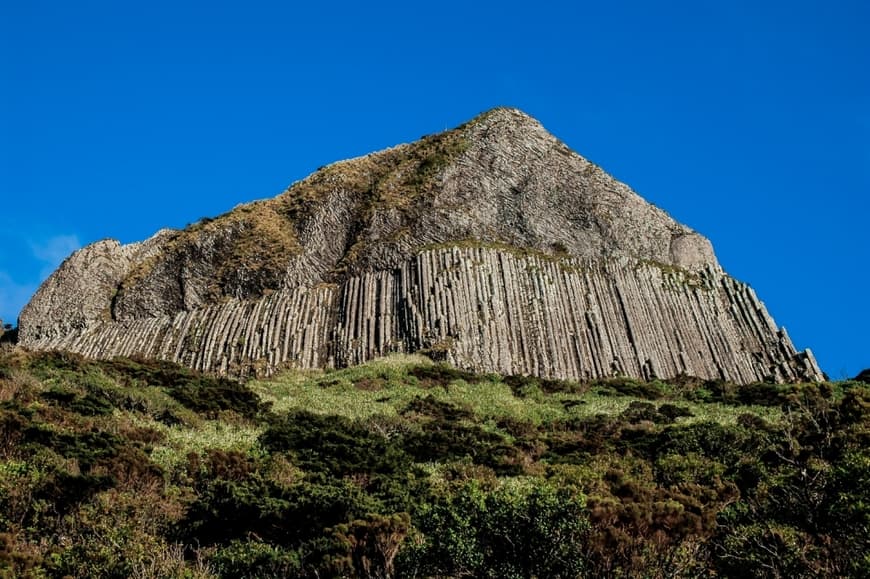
(13, 297)
(52, 251)
(17, 283)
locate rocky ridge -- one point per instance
(493, 246)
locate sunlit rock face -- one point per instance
(492, 246)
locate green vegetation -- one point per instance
(407, 468)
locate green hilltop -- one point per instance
(402, 467)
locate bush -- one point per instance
(368, 547)
(442, 375)
(447, 440)
(228, 510)
(529, 529)
(413, 488)
(253, 558)
(201, 393)
(334, 445)
(88, 405)
(437, 409)
(210, 396)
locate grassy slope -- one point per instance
(401, 466)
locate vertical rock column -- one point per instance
(485, 309)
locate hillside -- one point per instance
(402, 467)
(492, 246)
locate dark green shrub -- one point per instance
(752, 421)
(519, 429)
(130, 468)
(86, 447)
(149, 372)
(727, 444)
(59, 395)
(442, 375)
(804, 511)
(448, 440)
(672, 412)
(368, 547)
(523, 531)
(221, 464)
(714, 391)
(333, 444)
(577, 439)
(641, 411)
(89, 405)
(763, 394)
(210, 396)
(43, 363)
(253, 558)
(639, 528)
(64, 491)
(854, 408)
(437, 409)
(201, 393)
(227, 510)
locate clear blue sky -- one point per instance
(748, 121)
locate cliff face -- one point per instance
(492, 245)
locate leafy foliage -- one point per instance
(404, 468)
(528, 529)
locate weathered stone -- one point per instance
(493, 246)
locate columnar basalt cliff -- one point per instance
(492, 246)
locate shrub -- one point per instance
(253, 558)
(672, 412)
(368, 547)
(89, 405)
(436, 409)
(201, 393)
(442, 375)
(333, 444)
(641, 411)
(211, 396)
(530, 529)
(17, 559)
(227, 510)
(443, 440)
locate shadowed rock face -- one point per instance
(492, 245)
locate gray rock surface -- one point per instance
(492, 245)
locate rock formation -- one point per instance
(492, 246)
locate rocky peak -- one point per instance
(500, 184)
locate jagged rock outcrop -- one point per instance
(492, 245)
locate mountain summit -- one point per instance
(493, 246)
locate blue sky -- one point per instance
(748, 121)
